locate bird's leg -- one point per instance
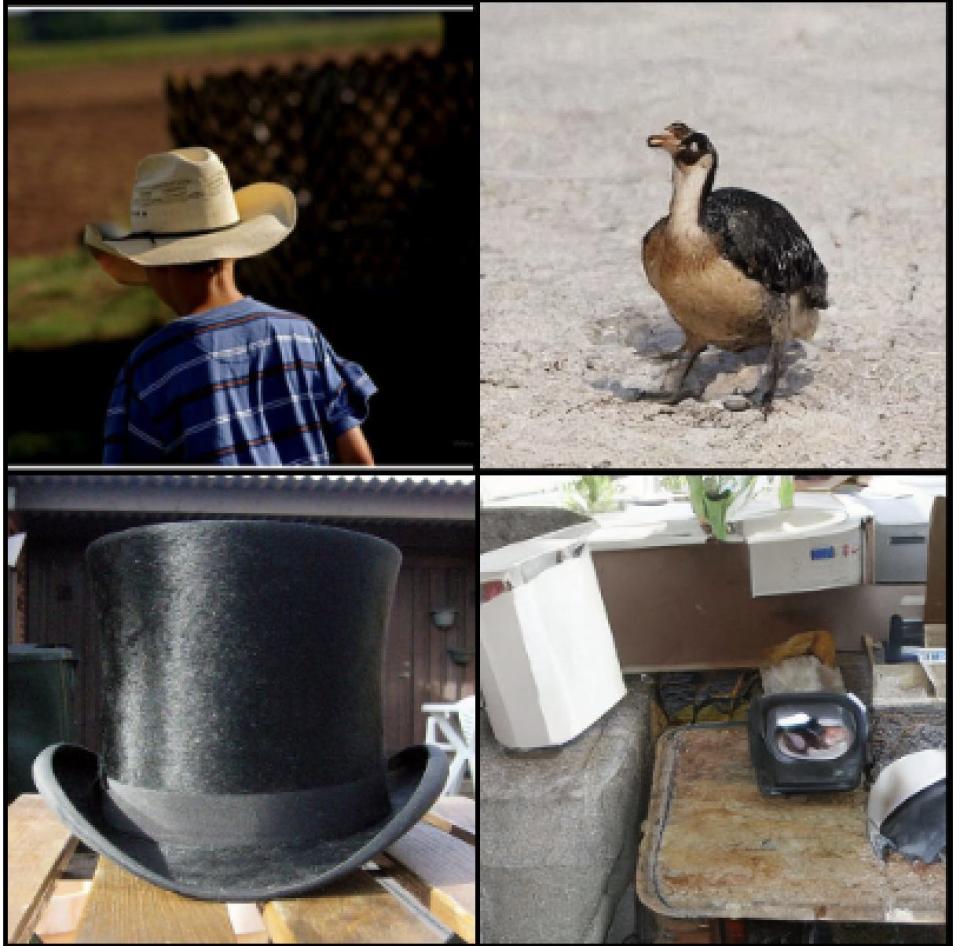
(671, 355)
(774, 365)
(780, 335)
(672, 392)
(674, 353)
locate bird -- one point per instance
(733, 267)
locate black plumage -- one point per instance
(760, 237)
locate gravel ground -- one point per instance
(838, 111)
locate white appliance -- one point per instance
(548, 665)
(815, 545)
(901, 528)
(818, 544)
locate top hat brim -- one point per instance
(67, 776)
(267, 214)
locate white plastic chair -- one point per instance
(458, 739)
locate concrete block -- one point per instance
(561, 827)
(896, 731)
(499, 527)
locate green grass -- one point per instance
(291, 37)
(55, 301)
(57, 446)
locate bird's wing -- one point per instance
(759, 236)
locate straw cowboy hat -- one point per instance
(241, 749)
(184, 210)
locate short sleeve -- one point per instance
(349, 388)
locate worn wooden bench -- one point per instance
(421, 890)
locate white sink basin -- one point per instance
(794, 524)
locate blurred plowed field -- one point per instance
(74, 137)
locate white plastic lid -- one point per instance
(903, 779)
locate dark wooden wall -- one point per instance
(417, 667)
(689, 607)
(60, 611)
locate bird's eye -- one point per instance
(694, 146)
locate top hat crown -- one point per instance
(229, 647)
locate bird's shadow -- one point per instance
(650, 338)
(637, 329)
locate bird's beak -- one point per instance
(667, 139)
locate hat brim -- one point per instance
(267, 212)
(67, 776)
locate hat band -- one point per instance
(155, 235)
(332, 811)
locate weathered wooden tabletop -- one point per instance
(421, 890)
(713, 846)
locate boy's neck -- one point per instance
(194, 292)
(210, 300)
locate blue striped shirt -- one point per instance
(241, 384)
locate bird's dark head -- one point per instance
(695, 161)
(694, 157)
(697, 150)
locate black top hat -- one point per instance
(241, 725)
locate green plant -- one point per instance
(712, 497)
(786, 492)
(590, 494)
(673, 484)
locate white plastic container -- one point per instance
(548, 665)
(818, 544)
(902, 527)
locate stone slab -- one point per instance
(561, 827)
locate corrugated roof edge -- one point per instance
(290, 494)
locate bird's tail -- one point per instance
(816, 288)
(817, 297)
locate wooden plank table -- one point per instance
(455, 814)
(38, 846)
(421, 890)
(714, 847)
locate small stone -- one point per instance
(736, 402)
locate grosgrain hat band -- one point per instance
(155, 235)
(329, 812)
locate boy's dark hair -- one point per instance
(200, 267)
